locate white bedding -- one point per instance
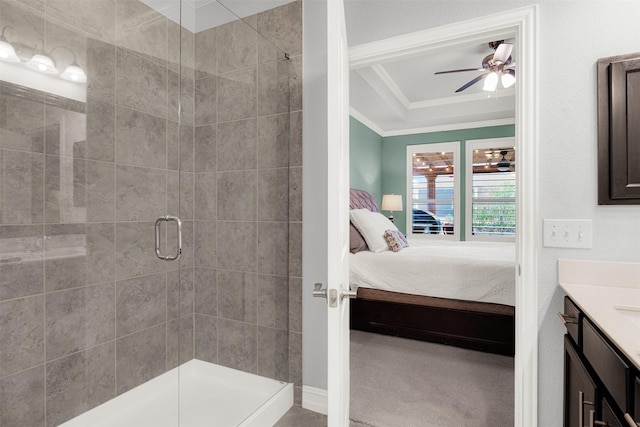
(473, 271)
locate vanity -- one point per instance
(602, 343)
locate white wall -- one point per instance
(314, 188)
(573, 35)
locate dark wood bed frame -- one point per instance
(461, 327)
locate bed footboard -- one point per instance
(477, 326)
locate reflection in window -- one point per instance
(493, 199)
(433, 192)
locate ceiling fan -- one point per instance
(494, 65)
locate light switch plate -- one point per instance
(567, 233)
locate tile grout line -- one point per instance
(115, 201)
(258, 208)
(44, 245)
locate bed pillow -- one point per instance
(372, 226)
(356, 241)
(395, 240)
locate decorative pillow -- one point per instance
(395, 240)
(356, 241)
(372, 226)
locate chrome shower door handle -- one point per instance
(169, 218)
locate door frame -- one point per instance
(521, 24)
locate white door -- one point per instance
(338, 216)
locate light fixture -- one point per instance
(392, 202)
(7, 52)
(40, 61)
(491, 82)
(504, 164)
(508, 78)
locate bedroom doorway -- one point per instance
(519, 25)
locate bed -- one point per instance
(455, 293)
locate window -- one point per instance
(433, 186)
(491, 190)
(435, 174)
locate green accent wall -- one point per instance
(394, 153)
(365, 159)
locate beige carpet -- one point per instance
(399, 382)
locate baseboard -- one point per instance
(314, 399)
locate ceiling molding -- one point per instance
(457, 99)
(382, 88)
(426, 129)
(365, 121)
(391, 85)
(455, 126)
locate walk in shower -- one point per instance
(115, 116)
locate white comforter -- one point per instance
(474, 271)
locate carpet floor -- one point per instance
(400, 382)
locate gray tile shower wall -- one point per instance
(86, 309)
(248, 103)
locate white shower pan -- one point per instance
(196, 394)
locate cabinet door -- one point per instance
(608, 417)
(579, 388)
(636, 406)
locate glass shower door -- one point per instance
(92, 151)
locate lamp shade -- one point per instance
(43, 63)
(74, 73)
(508, 78)
(392, 202)
(7, 52)
(491, 82)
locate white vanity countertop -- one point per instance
(598, 288)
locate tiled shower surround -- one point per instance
(87, 311)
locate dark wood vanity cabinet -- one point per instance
(579, 387)
(601, 387)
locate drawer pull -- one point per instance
(630, 420)
(593, 422)
(565, 318)
(581, 403)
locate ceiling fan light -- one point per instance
(43, 63)
(503, 165)
(491, 82)
(508, 78)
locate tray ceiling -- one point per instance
(403, 96)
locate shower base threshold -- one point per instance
(195, 394)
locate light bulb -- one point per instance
(508, 79)
(7, 52)
(491, 82)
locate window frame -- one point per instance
(480, 144)
(452, 146)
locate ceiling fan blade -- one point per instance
(472, 82)
(502, 53)
(459, 71)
